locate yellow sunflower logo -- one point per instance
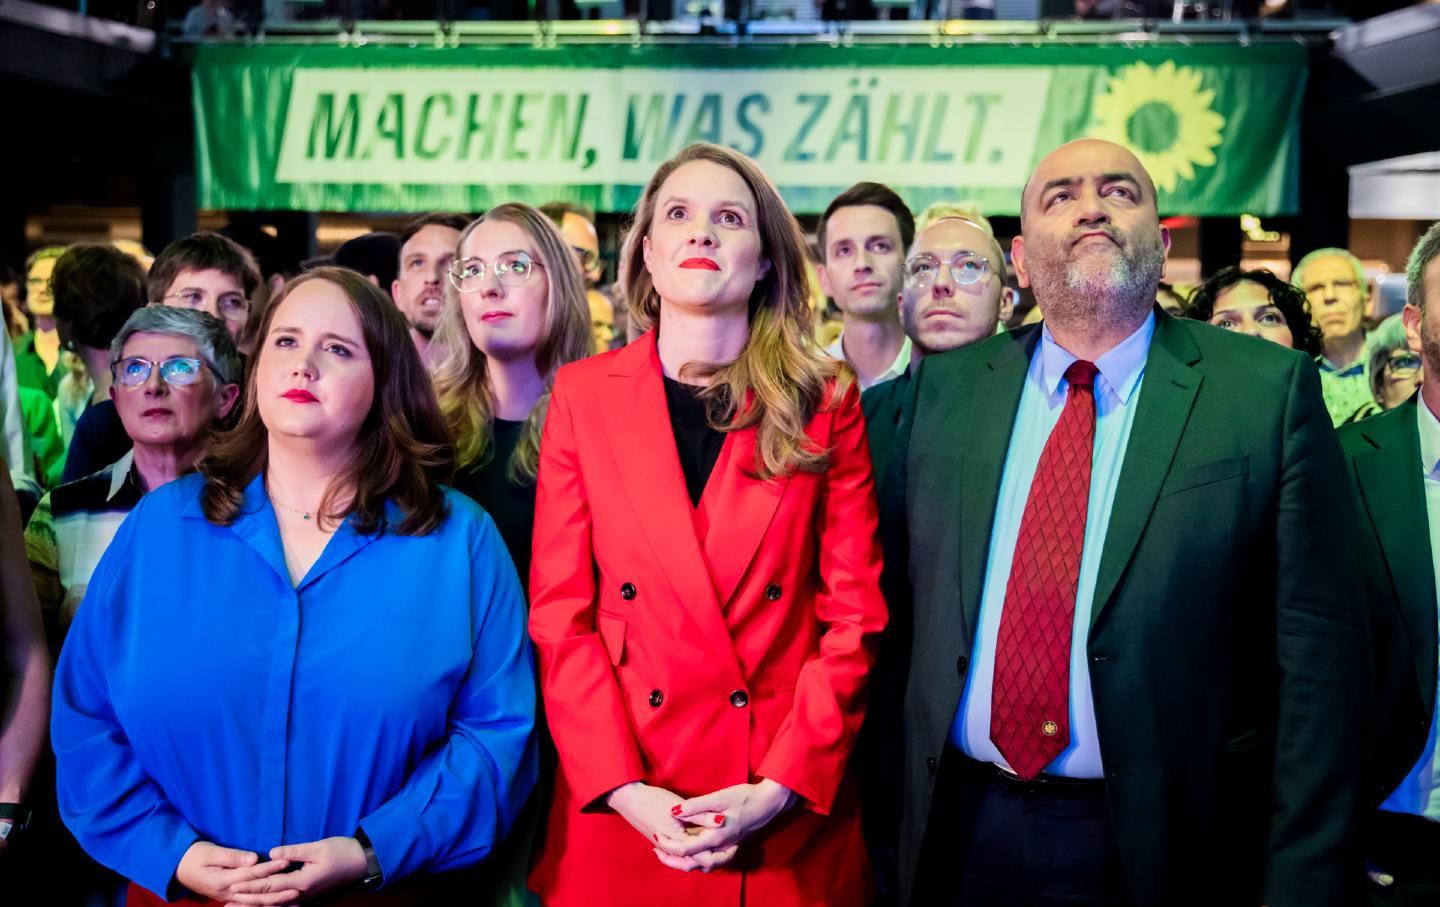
(1163, 115)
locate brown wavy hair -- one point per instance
(462, 378)
(403, 450)
(781, 378)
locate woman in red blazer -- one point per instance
(704, 653)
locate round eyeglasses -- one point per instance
(230, 306)
(178, 371)
(1403, 365)
(512, 269)
(966, 269)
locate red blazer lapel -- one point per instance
(738, 509)
(637, 421)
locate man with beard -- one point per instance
(1136, 661)
(862, 236)
(427, 247)
(1395, 460)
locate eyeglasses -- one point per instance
(231, 306)
(966, 269)
(178, 371)
(512, 269)
(589, 258)
(1403, 365)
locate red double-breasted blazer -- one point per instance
(699, 648)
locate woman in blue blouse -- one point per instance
(304, 670)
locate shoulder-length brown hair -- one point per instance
(780, 380)
(462, 377)
(402, 452)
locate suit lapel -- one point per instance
(637, 420)
(1167, 394)
(994, 400)
(1393, 491)
(738, 511)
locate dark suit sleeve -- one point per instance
(1321, 637)
(880, 751)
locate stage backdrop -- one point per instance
(379, 128)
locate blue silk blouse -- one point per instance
(202, 696)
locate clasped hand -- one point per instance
(238, 877)
(702, 832)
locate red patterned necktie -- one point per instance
(1030, 701)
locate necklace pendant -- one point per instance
(305, 516)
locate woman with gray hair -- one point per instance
(1395, 370)
(176, 376)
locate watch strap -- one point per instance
(374, 876)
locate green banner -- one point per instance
(383, 128)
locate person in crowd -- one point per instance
(705, 587)
(577, 225)
(1335, 284)
(427, 248)
(1259, 304)
(37, 353)
(1041, 510)
(515, 313)
(232, 721)
(1171, 299)
(954, 295)
(862, 237)
(176, 375)
(1394, 458)
(203, 271)
(95, 288)
(24, 683)
(1396, 370)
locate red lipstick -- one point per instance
(495, 315)
(300, 395)
(701, 264)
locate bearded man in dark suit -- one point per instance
(1137, 663)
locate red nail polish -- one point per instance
(719, 820)
(675, 810)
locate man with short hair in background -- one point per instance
(1394, 461)
(863, 236)
(427, 248)
(577, 226)
(1334, 281)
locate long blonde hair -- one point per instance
(462, 379)
(779, 381)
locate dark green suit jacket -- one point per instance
(1383, 454)
(884, 405)
(1227, 642)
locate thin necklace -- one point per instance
(304, 514)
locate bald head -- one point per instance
(1072, 162)
(1091, 244)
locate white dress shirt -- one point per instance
(897, 368)
(1117, 390)
(1419, 793)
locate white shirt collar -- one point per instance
(897, 368)
(1120, 367)
(1429, 437)
(119, 472)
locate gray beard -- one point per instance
(1090, 299)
